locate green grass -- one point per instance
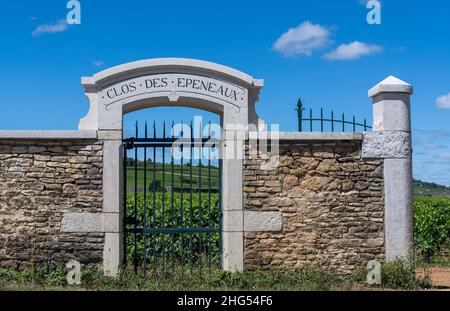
(440, 259)
(396, 276)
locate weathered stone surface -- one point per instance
(37, 187)
(82, 222)
(262, 221)
(386, 144)
(330, 202)
(290, 182)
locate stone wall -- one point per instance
(331, 202)
(39, 181)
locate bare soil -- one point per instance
(440, 276)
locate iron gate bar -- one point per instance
(200, 192)
(162, 145)
(164, 200)
(181, 202)
(172, 211)
(154, 196)
(135, 201)
(171, 140)
(209, 199)
(172, 231)
(190, 201)
(145, 202)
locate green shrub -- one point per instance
(174, 212)
(431, 224)
(401, 275)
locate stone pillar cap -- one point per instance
(391, 85)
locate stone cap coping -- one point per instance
(313, 136)
(167, 64)
(391, 85)
(44, 134)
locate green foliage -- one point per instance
(130, 162)
(173, 210)
(44, 274)
(431, 224)
(57, 276)
(15, 278)
(155, 185)
(401, 275)
(427, 188)
(303, 279)
(396, 275)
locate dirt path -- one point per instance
(440, 277)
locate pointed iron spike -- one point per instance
(209, 129)
(164, 129)
(299, 105)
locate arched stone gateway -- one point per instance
(170, 82)
(335, 198)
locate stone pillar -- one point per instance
(391, 141)
(234, 133)
(112, 200)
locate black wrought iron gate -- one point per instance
(172, 202)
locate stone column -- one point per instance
(391, 141)
(234, 133)
(112, 200)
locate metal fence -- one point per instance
(334, 123)
(172, 207)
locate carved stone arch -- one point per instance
(169, 82)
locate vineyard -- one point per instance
(182, 213)
(432, 227)
(182, 176)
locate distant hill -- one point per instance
(428, 188)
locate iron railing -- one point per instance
(172, 207)
(327, 124)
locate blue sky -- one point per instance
(321, 51)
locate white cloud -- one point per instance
(353, 50)
(443, 102)
(302, 40)
(98, 63)
(59, 26)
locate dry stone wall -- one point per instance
(331, 202)
(39, 182)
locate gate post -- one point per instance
(112, 200)
(234, 133)
(391, 141)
